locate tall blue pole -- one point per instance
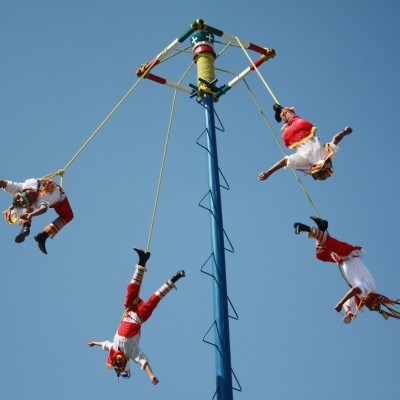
(204, 57)
(224, 389)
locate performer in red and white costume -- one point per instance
(329, 249)
(35, 197)
(125, 345)
(310, 156)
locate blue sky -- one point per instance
(65, 66)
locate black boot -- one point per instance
(143, 256)
(321, 223)
(24, 232)
(298, 227)
(178, 276)
(41, 241)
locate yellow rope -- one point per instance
(258, 72)
(54, 174)
(281, 147)
(205, 67)
(103, 123)
(96, 131)
(62, 171)
(165, 150)
(164, 159)
(161, 171)
(153, 217)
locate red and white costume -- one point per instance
(51, 195)
(299, 134)
(137, 312)
(329, 249)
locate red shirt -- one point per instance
(297, 130)
(138, 313)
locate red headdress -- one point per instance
(377, 302)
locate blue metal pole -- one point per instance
(224, 389)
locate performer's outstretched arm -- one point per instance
(351, 293)
(149, 371)
(265, 174)
(91, 344)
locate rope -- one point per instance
(227, 45)
(102, 124)
(165, 151)
(96, 131)
(205, 67)
(164, 159)
(258, 72)
(159, 181)
(161, 171)
(54, 174)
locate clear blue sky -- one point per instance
(65, 65)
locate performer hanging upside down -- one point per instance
(363, 287)
(310, 157)
(34, 197)
(125, 345)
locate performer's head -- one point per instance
(25, 198)
(348, 318)
(119, 364)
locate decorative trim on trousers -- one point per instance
(64, 210)
(164, 289)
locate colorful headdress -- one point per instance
(377, 302)
(21, 200)
(120, 371)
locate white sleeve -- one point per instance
(107, 345)
(13, 187)
(350, 303)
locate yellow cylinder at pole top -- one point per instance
(204, 56)
(205, 67)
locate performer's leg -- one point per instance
(170, 284)
(321, 223)
(299, 227)
(146, 308)
(331, 244)
(65, 215)
(138, 275)
(143, 256)
(24, 232)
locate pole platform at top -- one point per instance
(208, 33)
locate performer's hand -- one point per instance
(263, 175)
(348, 317)
(27, 217)
(338, 307)
(91, 344)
